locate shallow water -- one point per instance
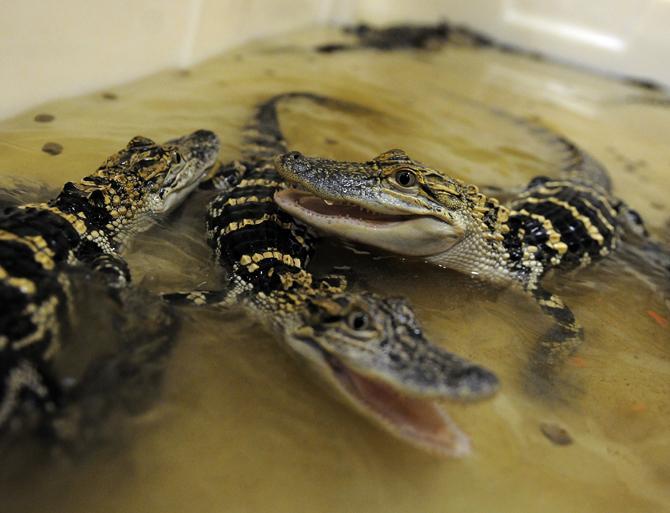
(241, 426)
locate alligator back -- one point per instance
(256, 241)
(35, 242)
(252, 238)
(562, 223)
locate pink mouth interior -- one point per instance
(317, 206)
(420, 421)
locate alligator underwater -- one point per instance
(85, 227)
(370, 349)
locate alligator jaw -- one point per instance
(182, 189)
(409, 235)
(421, 422)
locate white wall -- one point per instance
(54, 48)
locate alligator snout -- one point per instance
(296, 162)
(292, 165)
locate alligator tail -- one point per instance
(263, 137)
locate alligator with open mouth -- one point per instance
(370, 349)
(399, 205)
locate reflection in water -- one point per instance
(241, 427)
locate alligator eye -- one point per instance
(358, 321)
(293, 155)
(405, 178)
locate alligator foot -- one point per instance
(562, 339)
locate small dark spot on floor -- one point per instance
(44, 118)
(184, 72)
(52, 148)
(555, 433)
(657, 206)
(270, 73)
(328, 140)
(110, 96)
(239, 57)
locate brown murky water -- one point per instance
(242, 428)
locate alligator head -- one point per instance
(142, 180)
(391, 202)
(373, 352)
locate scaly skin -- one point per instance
(87, 224)
(369, 349)
(395, 203)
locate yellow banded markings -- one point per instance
(44, 316)
(594, 190)
(246, 199)
(251, 261)
(591, 229)
(236, 225)
(554, 236)
(598, 213)
(42, 253)
(258, 182)
(75, 221)
(23, 284)
(552, 188)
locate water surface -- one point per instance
(241, 427)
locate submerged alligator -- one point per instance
(368, 348)
(418, 37)
(85, 226)
(397, 204)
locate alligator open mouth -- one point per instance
(402, 234)
(422, 422)
(291, 199)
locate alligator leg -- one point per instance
(564, 336)
(113, 268)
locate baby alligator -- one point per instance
(87, 223)
(397, 204)
(370, 349)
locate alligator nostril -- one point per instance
(294, 156)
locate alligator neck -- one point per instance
(479, 255)
(481, 251)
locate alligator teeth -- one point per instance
(330, 203)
